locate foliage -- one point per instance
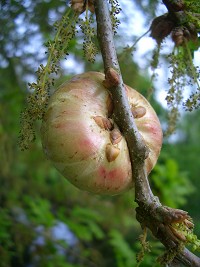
(38, 99)
(177, 184)
(183, 23)
(145, 247)
(187, 232)
(185, 151)
(184, 74)
(114, 11)
(89, 47)
(124, 254)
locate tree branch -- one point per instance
(150, 212)
(122, 112)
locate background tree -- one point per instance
(36, 203)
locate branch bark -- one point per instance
(150, 213)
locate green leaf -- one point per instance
(125, 256)
(40, 211)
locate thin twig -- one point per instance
(130, 49)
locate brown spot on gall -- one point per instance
(103, 123)
(112, 152)
(115, 136)
(138, 112)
